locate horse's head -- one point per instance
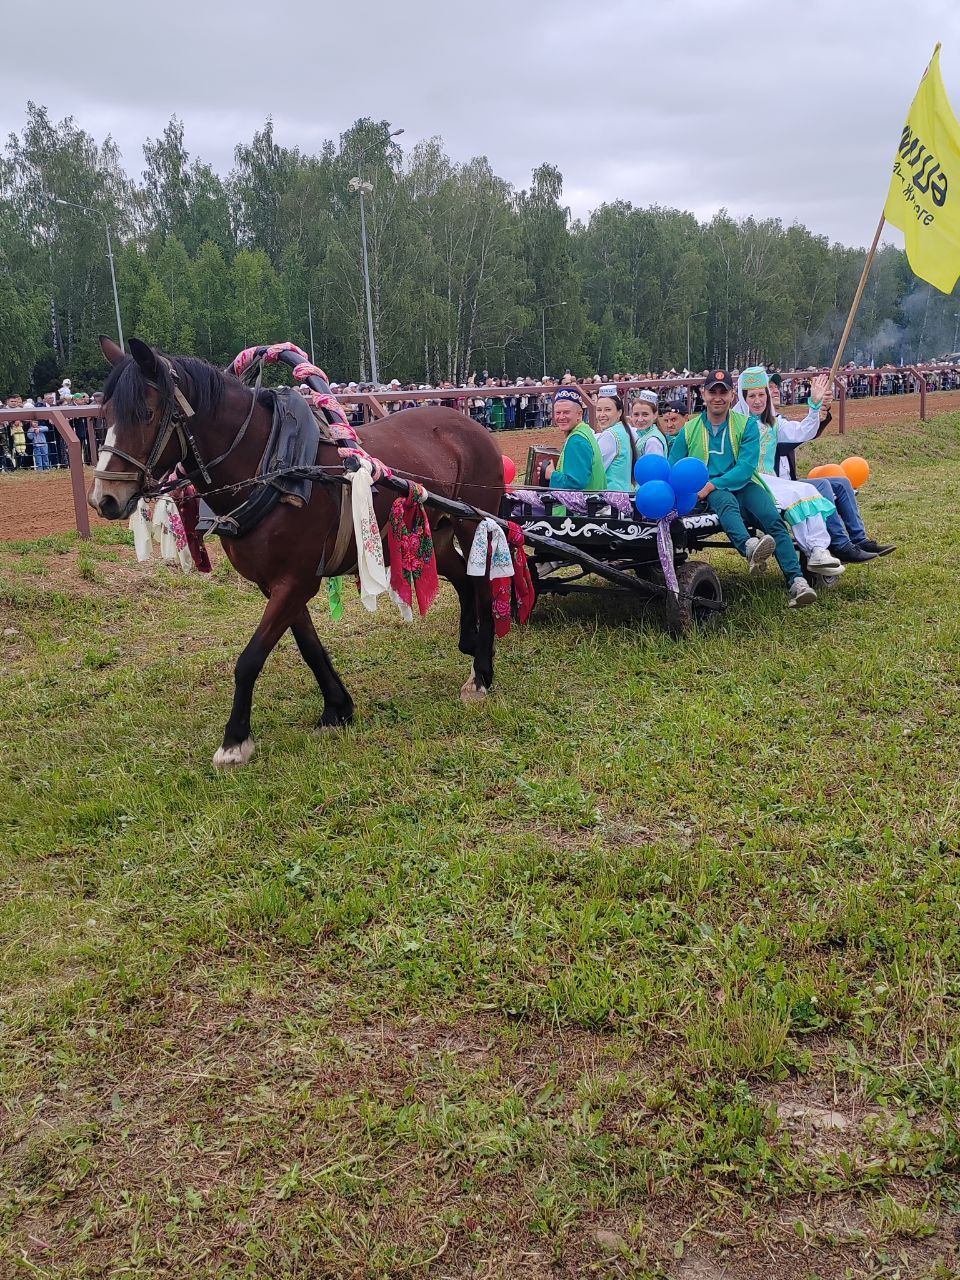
(143, 408)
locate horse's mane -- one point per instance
(202, 383)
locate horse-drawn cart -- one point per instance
(599, 540)
(297, 496)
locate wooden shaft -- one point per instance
(454, 506)
(856, 301)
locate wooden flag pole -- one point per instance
(856, 301)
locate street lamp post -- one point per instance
(543, 329)
(689, 318)
(365, 188)
(113, 275)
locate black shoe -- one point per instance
(852, 554)
(878, 548)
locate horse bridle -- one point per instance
(176, 418)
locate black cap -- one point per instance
(718, 378)
(677, 404)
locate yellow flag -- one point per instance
(924, 196)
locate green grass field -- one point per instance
(649, 967)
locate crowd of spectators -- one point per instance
(35, 443)
(530, 404)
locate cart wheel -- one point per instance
(695, 578)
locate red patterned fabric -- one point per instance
(522, 582)
(378, 469)
(243, 361)
(272, 354)
(513, 596)
(188, 505)
(502, 591)
(306, 370)
(413, 565)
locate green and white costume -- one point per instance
(651, 440)
(617, 455)
(799, 503)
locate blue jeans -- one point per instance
(41, 457)
(846, 525)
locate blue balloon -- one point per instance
(652, 466)
(655, 499)
(685, 503)
(689, 475)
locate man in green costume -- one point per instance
(580, 465)
(729, 444)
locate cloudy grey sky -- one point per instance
(775, 108)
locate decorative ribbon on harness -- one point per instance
(188, 508)
(508, 574)
(371, 569)
(665, 551)
(489, 542)
(523, 592)
(159, 522)
(413, 565)
(335, 598)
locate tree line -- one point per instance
(466, 272)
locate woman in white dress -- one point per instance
(801, 506)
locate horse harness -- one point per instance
(242, 519)
(176, 418)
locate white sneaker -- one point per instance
(801, 594)
(758, 552)
(826, 574)
(822, 559)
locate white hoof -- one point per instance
(472, 691)
(233, 757)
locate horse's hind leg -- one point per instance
(337, 703)
(481, 677)
(238, 746)
(476, 608)
(453, 567)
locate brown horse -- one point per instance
(148, 399)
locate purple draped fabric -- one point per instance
(575, 500)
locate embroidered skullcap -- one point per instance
(608, 390)
(754, 379)
(649, 397)
(567, 393)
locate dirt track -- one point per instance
(33, 504)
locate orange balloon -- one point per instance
(829, 471)
(857, 470)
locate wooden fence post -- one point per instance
(77, 481)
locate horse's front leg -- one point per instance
(238, 746)
(337, 703)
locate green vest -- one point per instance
(652, 432)
(695, 432)
(619, 478)
(598, 475)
